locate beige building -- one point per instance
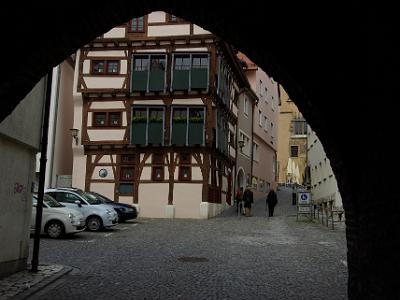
(292, 142)
(19, 143)
(265, 127)
(59, 149)
(323, 182)
(155, 105)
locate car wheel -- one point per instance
(55, 229)
(94, 223)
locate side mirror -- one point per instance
(77, 202)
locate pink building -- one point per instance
(265, 127)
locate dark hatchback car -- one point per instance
(125, 211)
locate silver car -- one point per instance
(57, 220)
(97, 215)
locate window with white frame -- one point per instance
(272, 102)
(246, 144)
(255, 152)
(266, 94)
(261, 89)
(260, 119)
(265, 123)
(246, 106)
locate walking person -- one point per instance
(271, 201)
(239, 199)
(248, 200)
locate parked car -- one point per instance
(97, 215)
(57, 220)
(124, 211)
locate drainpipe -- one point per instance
(42, 174)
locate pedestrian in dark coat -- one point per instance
(248, 200)
(271, 201)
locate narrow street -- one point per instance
(227, 257)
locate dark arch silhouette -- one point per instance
(313, 51)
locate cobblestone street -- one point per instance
(227, 257)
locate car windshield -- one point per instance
(48, 201)
(51, 202)
(91, 199)
(102, 198)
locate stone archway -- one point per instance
(312, 51)
(241, 179)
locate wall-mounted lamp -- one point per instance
(74, 134)
(241, 145)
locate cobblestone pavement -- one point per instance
(227, 257)
(20, 282)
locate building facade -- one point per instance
(322, 180)
(292, 142)
(155, 105)
(246, 103)
(20, 135)
(265, 127)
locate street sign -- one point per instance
(304, 198)
(304, 209)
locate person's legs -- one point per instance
(270, 207)
(272, 210)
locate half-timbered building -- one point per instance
(156, 108)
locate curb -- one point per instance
(42, 284)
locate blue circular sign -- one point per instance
(103, 173)
(304, 196)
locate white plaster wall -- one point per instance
(199, 49)
(108, 105)
(153, 197)
(106, 134)
(150, 51)
(187, 199)
(117, 32)
(104, 82)
(146, 173)
(124, 66)
(106, 53)
(106, 159)
(199, 30)
(196, 173)
(78, 168)
(156, 17)
(126, 199)
(18, 166)
(148, 102)
(110, 174)
(86, 66)
(168, 30)
(193, 101)
(104, 188)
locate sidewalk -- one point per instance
(23, 284)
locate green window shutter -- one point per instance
(139, 126)
(181, 80)
(179, 132)
(199, 79)
(156, 126)
(139, 81)
(179, 126)
(139, 133)
(196, 132)
(196, 126)
(155, 132)
(156, 81)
